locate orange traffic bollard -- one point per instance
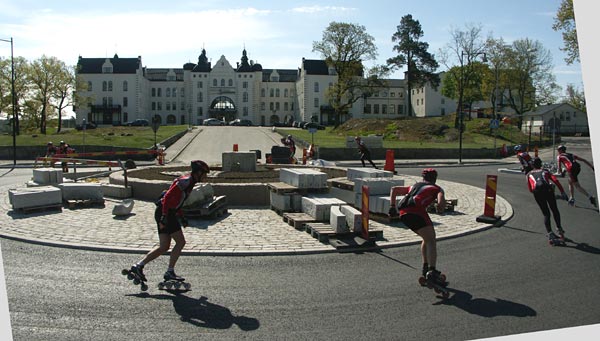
(489, 202)
(304, 156)
(389, 161)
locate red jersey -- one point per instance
(424, 196)
(539, 179)
(525, 159)
(567, 159)
(177, 193)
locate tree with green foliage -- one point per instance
(21, 87)
(472, 89)
(44, 74)
(565, 21)
(529, 80)
(345, 47)
(420, 65)
(576, 98)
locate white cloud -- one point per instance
(132, 34)
(316, 9)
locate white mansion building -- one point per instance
(122, 90)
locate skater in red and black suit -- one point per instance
(413, 213)
(169, 219)
(291, 144)
(524, 159)
(573, 168)
(538, 182)
(365, 153)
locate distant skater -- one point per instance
(365, 153)
(539, 183)
(573, 168)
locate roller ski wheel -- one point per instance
(135, 278)
(174, 285)
(557, 242)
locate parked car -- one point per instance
(138, 123)
(240, 122)
(213, 122)
(313, 125)
(88, 125)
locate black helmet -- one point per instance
(429, 174)
(537, 162)
(62, 142)
(517, 148)
(562, 148)
(199, 166)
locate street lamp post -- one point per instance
(461, 84)
(14, 100)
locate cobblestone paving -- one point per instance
(243, 231)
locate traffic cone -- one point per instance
(389, 161)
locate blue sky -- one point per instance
(276, 34)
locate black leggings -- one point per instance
(547, 202)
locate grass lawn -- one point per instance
(416, 133)
(132, 137)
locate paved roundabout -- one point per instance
(243, 231)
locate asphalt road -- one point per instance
(213, 140)
(504, 280)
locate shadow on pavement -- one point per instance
(7, 172)
(380, 252)
(485, 307)
(522, 230)
(582, 247)
(201, 313)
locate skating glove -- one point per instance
(564, 196)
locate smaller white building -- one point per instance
(562, 118)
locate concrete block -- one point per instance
(124, 208)
(353, 217)
(81, 191)
(239, 161)
(47, 176)
(281, 201)
(319, 207)
(34, 197)
(365, 172)
(342, 194)
(116, 191)
(201, 194)
(337, 220)
(303, 178)
(296, 202)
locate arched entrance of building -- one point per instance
(288, 119)
(171, 119)
(222, 107)
(157, 118)
(274, 119)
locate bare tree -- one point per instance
(63, 90)
(464, 47)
